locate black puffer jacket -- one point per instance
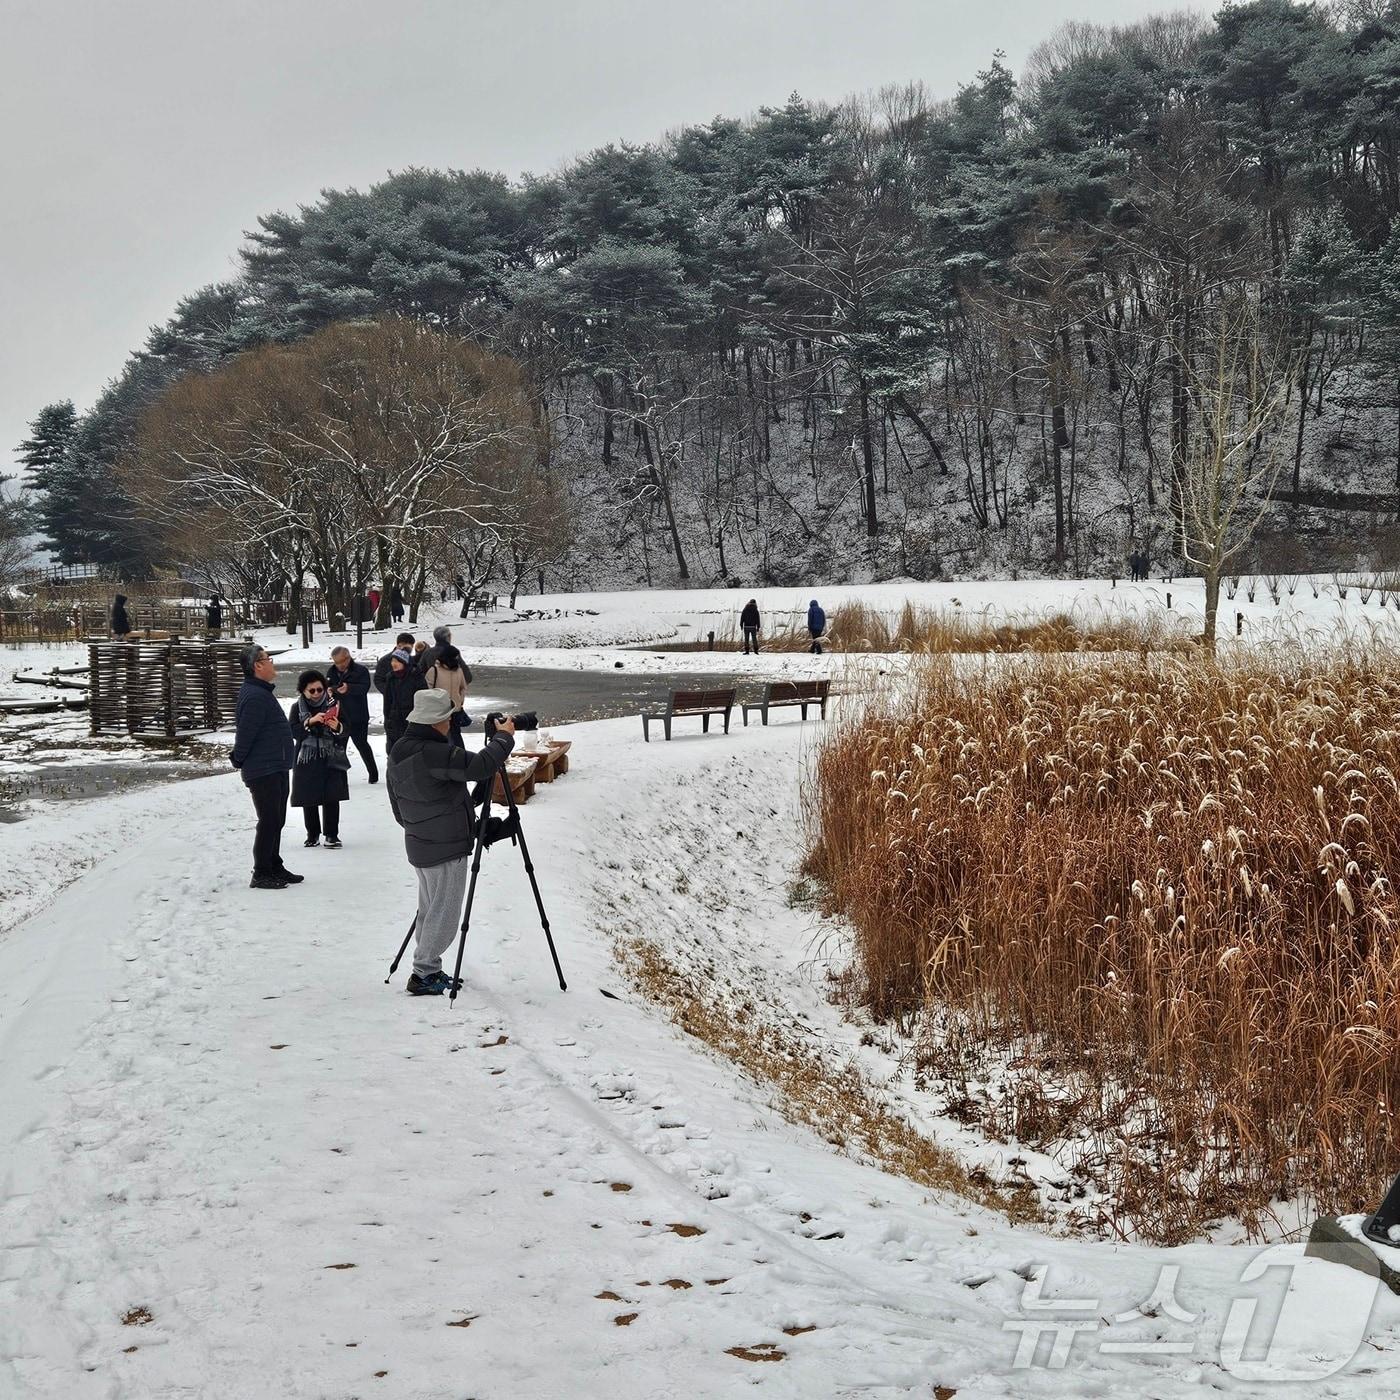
(263, 744)
(429, 783)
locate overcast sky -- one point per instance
(139, 138)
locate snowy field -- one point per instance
(235, 1164)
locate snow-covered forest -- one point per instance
(907, 334)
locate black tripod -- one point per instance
(517, 837)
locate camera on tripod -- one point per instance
(526, 721)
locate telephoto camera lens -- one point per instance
(528, 720)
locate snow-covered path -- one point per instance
(213, 1110)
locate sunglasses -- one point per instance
(315, 690)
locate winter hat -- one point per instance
(442, 634)
(399, 654)
(430, 707)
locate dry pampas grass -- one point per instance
(1167, 885)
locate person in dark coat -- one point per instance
(396, 603)
(263, 751)
(348, 685)
(319, 781)
(121, 623)
(403, 642)
(403, 682)
(214, 616)
(750, 621)
(816, 625)
(430, 784)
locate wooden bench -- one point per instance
(520, 769)
(550, 763)
(691, 702)
(786, 693)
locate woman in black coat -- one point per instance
(398, 686)
(319, 782)
(121, 623)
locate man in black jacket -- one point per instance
(429, 781)
(263, 752)
(348, 682)
(749, 620)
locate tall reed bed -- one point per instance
(1167, 887)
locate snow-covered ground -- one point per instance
(234, 1163)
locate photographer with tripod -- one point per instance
(430, 790)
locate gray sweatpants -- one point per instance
(441, 890)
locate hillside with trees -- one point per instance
(902, 335)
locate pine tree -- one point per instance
(50, 436)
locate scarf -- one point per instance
(319, 746)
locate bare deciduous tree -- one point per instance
(362, 451)
(1238, 376)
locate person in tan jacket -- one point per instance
(448, 672)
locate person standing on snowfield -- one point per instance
(442, 637)
(348, 685)
(430, 784)
(214, 616)
(396, 603)
(398, 688)
(263, 752)
(121, 623)
(403, 642)
(319, 778)
(816, 625)
(448, 672)
(750, 622)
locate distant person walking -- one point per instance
(396, 603)
(319, 781)
(750, 622)
(398, 688)
(430, 781)
(121, 623)
(263, 751)
(374, 597)
(449, 673)
(816, 625)
(348, 685)
(214, 616)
